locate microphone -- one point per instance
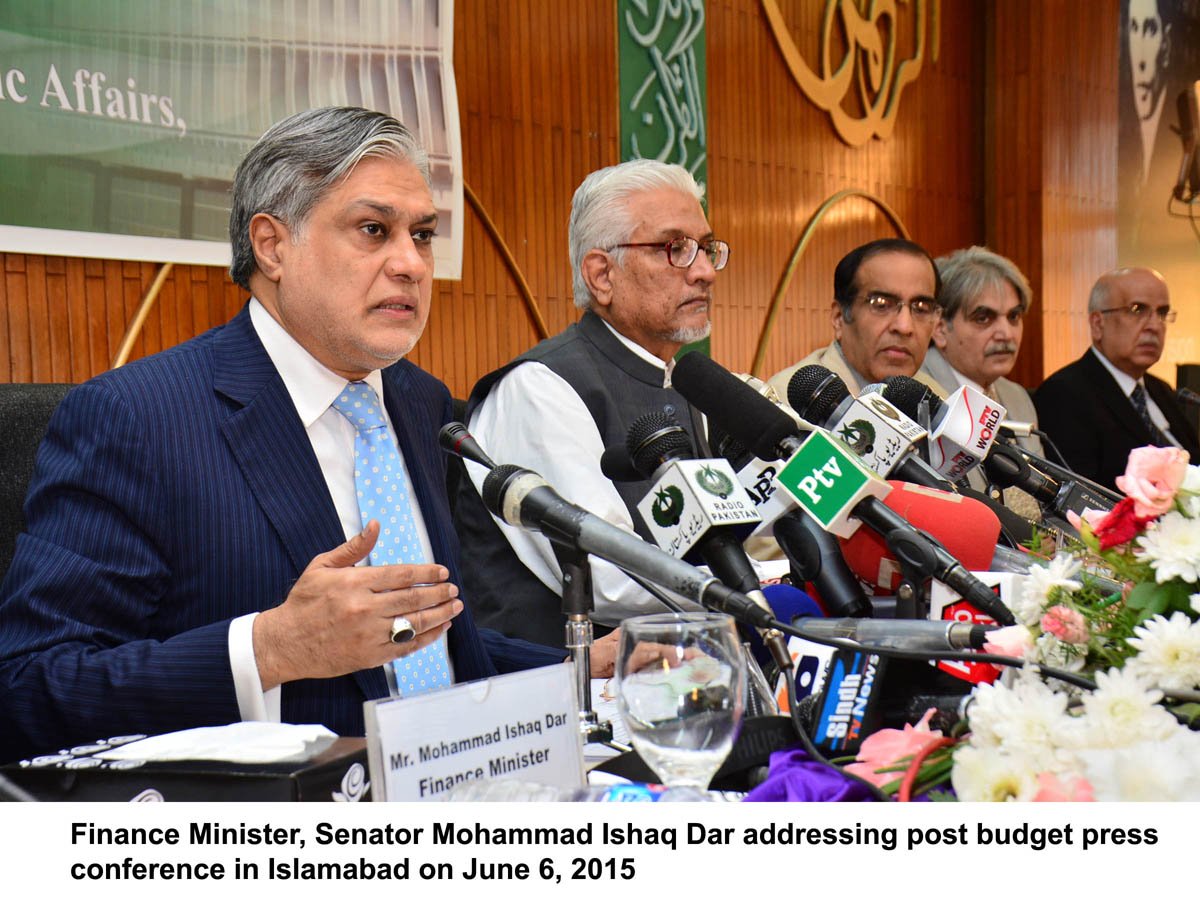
(904, 635)
(692, 507)
(1187, 183)
(876, 431)
(828, 494)
(963, 429)
(1018, 429)
(455, 438)
(965, 432)
(966, 527)
(524, 499)
(1008, 465)
(816, 558)
(916, 400)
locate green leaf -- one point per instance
(1147, 598)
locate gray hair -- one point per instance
(969, 273)
(600, 216)
(299, 159)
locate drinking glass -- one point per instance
(681, 689)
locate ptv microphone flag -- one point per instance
(691, 498)
(965, 434)
(826, 480)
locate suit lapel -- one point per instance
(1164, 398)
(271, 447)
(1108, 392)
(268, 440)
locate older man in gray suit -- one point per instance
(984, 298)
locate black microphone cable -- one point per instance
(798, 715)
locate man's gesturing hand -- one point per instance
(338, 617)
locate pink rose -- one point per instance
(1152, 476)
(1066, 624)
(1090, 516)
(883, 748)
(1012, 641)
(1053, 788)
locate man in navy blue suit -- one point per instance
(193, 532)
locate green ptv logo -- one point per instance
(668, 506)
(824, 478)
(714, 482)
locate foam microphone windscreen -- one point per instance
(789, 603)
(966, 528)
(749, 417)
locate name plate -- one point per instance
(518, 726)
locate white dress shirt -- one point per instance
(313, 388)
(534, 418)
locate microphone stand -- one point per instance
(576, 607)
(917, 563)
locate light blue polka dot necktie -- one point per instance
(384, 495)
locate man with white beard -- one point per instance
(644, 261)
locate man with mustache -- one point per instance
(884, 311)
(984, 299)
(644, 261)
(1105, 404)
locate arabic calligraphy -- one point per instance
(662, 81)
(867, 71)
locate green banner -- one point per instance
(662, 82)
(663, 93)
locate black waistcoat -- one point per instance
(616, 386)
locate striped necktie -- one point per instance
(1138, 398)
(383, 492)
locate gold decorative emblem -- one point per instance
(868, 63)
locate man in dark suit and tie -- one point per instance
(195, 517)
(1104, 405)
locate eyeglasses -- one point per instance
(1141, 311)
(886, 306)
(682, 250)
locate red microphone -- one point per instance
(966, 528)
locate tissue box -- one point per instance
(337, 773)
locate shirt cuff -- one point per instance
(253, 702)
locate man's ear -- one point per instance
(939, 333)
(268, 237)
(838, 320)
(1095, 322)
(597, 268)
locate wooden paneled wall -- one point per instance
(1010, 151)
(1051, 171)
(774, 158)
(62, 319)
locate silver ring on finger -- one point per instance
(402, 630)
